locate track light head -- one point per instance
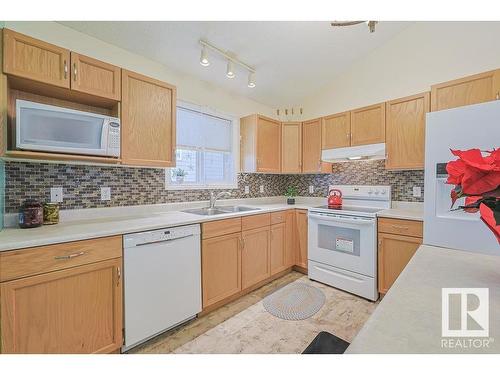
(251, 80)
(230, 69)
(204, 57)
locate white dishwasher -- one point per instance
(162, 281)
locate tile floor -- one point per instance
(244, 326)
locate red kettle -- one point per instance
(335, 198)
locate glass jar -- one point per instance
(50, 213)
(31, 214)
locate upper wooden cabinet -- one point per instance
(474, 89)
(336, 131)
(260, 144)
(147, 121)
(405, 131)
(26, 57)
(291, 147)
(368, 125)
(95, 77)
(311, 148)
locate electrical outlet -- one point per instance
(417, 191)
(105, 193)
(261, 188)
(311, 189)
(247, 189)
(56, 195)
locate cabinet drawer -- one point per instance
(398, 226)
(278, 217)
(220, 227)
(37, 260)
(255, 221)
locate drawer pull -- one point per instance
(69, 256)
(400, 227)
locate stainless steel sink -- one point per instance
(237, 208)
(219, 210)
(205, 211)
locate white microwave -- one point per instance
(42, 127)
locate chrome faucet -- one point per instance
(214, 197)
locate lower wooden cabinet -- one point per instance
(255, 256)
(240, 253)
(395, 250)
(290, 238)
(75, 310)
(301, 253)
(277, 248)
(221, 268)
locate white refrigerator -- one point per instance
(463, 128)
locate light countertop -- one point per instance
(408, 319)
(96, 222)
(404, 210)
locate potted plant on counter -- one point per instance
(290, 194)
(179, 175)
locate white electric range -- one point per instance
(342, 242)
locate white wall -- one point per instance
(423, 54)
(189, 88)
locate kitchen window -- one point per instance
(207, 150)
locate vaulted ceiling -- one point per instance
(292, 59)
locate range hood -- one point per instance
(374, 151)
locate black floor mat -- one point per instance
(326, 343)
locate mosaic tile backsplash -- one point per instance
(136, 186)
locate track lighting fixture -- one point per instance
(230, 69)
(251, 80)
(231, 61)
(204, 57)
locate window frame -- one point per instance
(235, 123)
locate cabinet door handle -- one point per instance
(65, 69)
(69, 256)
(74, 71)
(347, 135)
(242, 243)
(118, 275)
(498, 95)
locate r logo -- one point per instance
(465, 312)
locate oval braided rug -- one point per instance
(296, 301)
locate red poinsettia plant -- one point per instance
(476, 176)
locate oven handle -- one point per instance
(342, 220)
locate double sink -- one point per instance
(208, 211)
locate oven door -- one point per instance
(343, 241)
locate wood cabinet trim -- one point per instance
(31, 261)
(207, 278)
(255, 221)
(383, 283)
(359, 132)
(220, 227)
(340, 141)
(10, 38)
(76, 78)
(489, 95)
(132, 159)
(291, 154)
(398, 141)
(8, 311)
(412, 228)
